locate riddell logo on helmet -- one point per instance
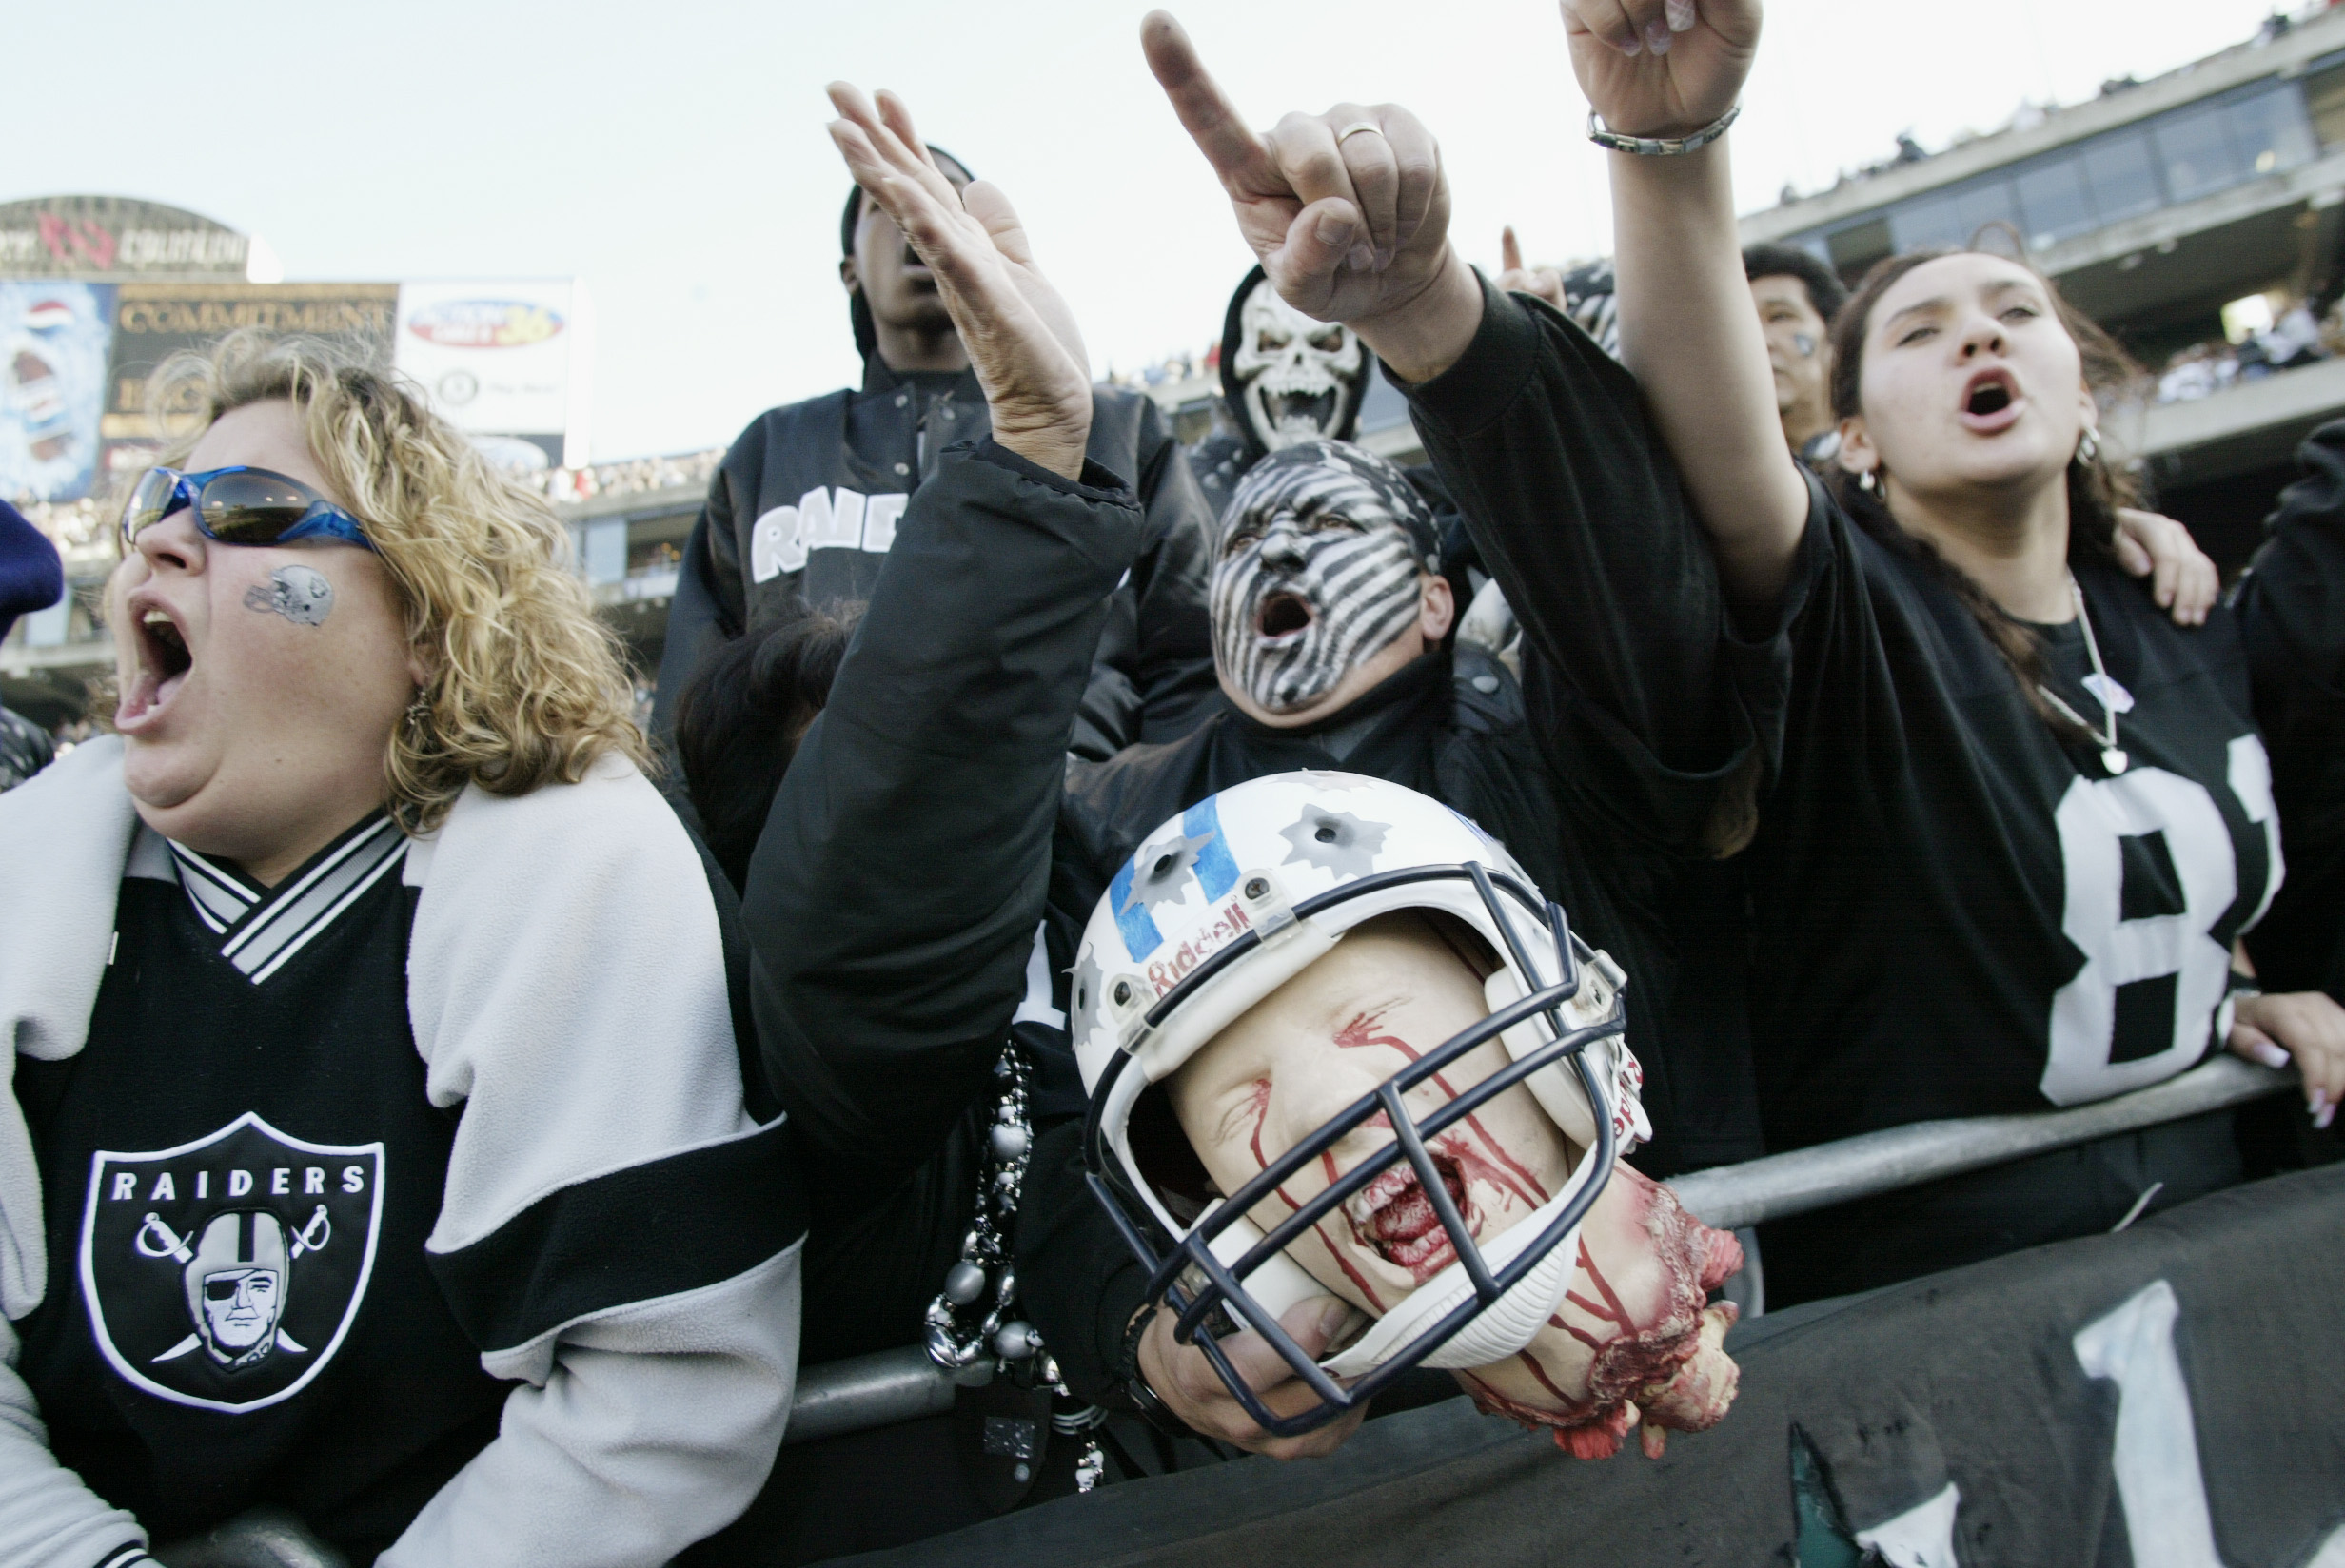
(1230, 922)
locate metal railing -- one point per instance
(1783, 1185)
(897, 1385)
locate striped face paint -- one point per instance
(1322, 551)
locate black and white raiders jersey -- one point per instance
(1957, 910)
(239, 1171)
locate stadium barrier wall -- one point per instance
(894, 1386)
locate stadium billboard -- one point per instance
(508, 358)
(55, 337)
(153, 320)
(113, 237)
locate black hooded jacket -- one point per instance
(892, 897)
(2293, 618)
(806, 504)
(1606, 774)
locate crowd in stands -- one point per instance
(631, 477)
(2296, 338)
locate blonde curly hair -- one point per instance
(527, 686)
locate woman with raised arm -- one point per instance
(378, 1173)
(2019, 818)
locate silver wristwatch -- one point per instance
(1658, 146)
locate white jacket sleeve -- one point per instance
(63, 837)
(616, 1231)
(49, 1518)
(641, 1440)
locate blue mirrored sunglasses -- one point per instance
(239, 505)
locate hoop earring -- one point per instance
(2088, 447)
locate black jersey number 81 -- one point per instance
(2094, 817)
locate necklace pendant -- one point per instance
(2115, 760)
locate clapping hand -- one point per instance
(1020, 339)
(1347, 211)
(1661, 68)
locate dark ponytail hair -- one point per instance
(2096, 488)
(741, 718)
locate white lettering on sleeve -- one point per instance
(125, 1186)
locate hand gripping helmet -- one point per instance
(1225, 904)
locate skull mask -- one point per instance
(1289, 377)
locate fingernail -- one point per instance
(1658, 37)
(1681, 14)
(2328, 1114)
(2268, 1054)
(1335, 230)
(1635, 46)
(1332, 1318)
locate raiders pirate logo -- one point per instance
(225, 1273)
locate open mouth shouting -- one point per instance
(1991, 402)
(1284, 615)
(161, 662)
(1392, 1217)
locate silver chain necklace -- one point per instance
(961, 1348)
(2111, 756)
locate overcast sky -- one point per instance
(673, 154)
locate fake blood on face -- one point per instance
(1262, 1112)
(1361, 1030)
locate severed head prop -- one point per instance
(1338, 1044)
(1317, 567)
(1288, 378)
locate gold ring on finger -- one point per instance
(1355, 128)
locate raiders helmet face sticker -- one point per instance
(301, 593)
(224, 1274)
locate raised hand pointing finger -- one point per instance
(1347, 211)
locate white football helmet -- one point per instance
(1223, 905)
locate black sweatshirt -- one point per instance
(892, 897)
(809, 500)
(2291, 609)
(1604, 776)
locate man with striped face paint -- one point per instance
(1327, 562)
